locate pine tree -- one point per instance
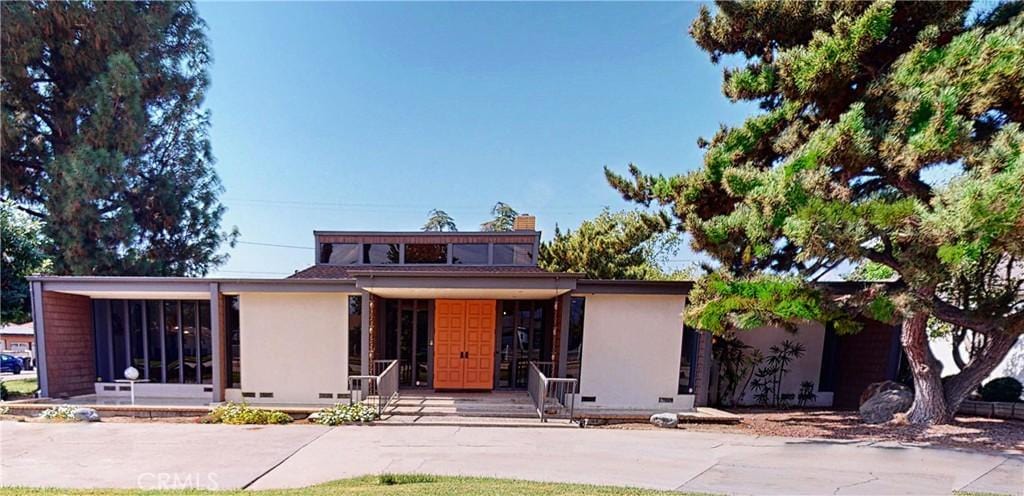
(504, 218)
(23, 255)
(104, 136)
(621, 245)
(439, 220)
(863, 104)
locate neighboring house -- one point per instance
(18, 337)
(19, 340)
(456, 310)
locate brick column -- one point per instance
(69, 344)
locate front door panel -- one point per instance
(479, 344)
(464, 344)
(448, 324)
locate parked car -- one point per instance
(12, 364)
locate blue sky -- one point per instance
(367, 115)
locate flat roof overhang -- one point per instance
(130, 287)
(466, 285)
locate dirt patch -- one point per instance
(975, 433)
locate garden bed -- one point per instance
(967, 432)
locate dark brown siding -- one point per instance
(70, 353)
(863, 358)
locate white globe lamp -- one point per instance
(131, 373)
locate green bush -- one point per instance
(1002, 389)
(241, 413)
(344, 414)
(3, 392)
(59, 412)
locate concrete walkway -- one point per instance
(150, 456)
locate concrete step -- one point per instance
(476, 421)
(441, 411)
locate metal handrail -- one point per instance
(541, 388)
(381, 388)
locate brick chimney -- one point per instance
(525, 222)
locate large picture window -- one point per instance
(339, 253)
(470, 254)
(513, 254)
(168, 341)
(380, 254)
(432, 253)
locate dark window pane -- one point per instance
(189, 344)
(405, 372)
(119, 336)
(434, 253)
(205, 344)
(422, 341)
(138, 356)
(390, 344)
(506, 351)
(513, 254)
(234, 365)
(339, 253)
(101, 325)
(172, 341)
(154, 341)
(380, 254)
(469, 254)
(827, 376)
(688, 361)
(574, 357)
(355, 335)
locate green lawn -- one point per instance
(21, 388)
(384, 485)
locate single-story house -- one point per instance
(18, 337)
(465, 311)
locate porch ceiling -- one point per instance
(505, 288)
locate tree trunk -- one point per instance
(929, 405)
(986, 359)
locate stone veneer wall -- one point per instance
(69, 345)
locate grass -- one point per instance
(21, 388)
(387, 484)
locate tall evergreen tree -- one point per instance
(23, 255)
(439, 220)
(621, 245)
(861, 104)
(504, 218)
(104, 136)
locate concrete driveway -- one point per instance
(151, 456)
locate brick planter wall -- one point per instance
(70, 350)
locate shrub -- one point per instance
(345, 414)
(60, 412)
(3, 392)
(1002, 389)
(241, 413)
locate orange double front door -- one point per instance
(464, 344)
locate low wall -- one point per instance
(995, 409)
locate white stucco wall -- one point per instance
(1012, 365)
(805, 368)
(631, 352)
(294, 345)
